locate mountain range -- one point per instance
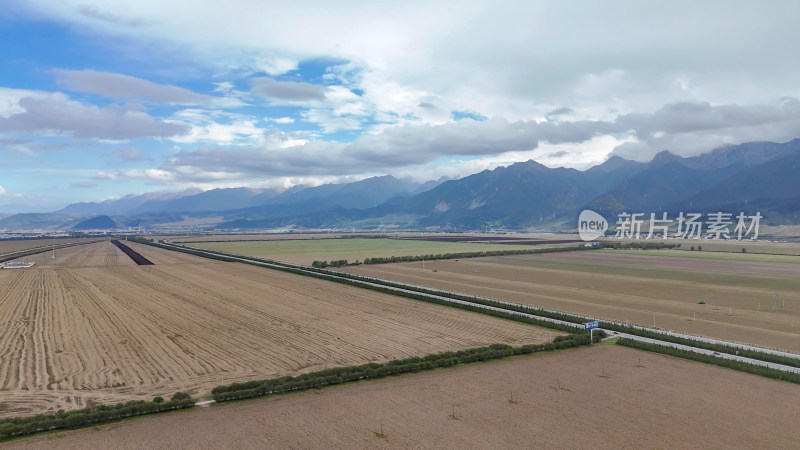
(763, 176)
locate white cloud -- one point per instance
(218, 127)
(282, 120)
(104, 175)
(288, 91)
(2, 191)
(330, 123)
(56, 114)
(274, 66)
(130, 154)
(10, 100)
(85, 184)
(640, 89)
(119, 86)
(154, 175)
(351, 109)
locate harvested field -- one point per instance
(13, 245)
(132, 254)
(705, 261)
(736, 296)
(310, 250)
(160, 256)
(99, 254)
(443, 237)
(254, 237)
(102, 334)
(605, 397)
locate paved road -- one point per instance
(442, 295)
(708, 352)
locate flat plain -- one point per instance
(306, 251)
(721, 298)
(601, 397)
(12, 245)
(91, 327)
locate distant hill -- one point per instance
(670, 182)
(773, 188)
(520, 195)
(664, 181)
(363, 194)
(124, 205)
(97, 223)
(211, 200)
(752, 176)
(37, 221)
(530, 195)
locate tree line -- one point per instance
(339, 375)
(92, 415)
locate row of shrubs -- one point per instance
(464, 255)
(92, 415)
(754, 354)
(339, 375)
(336, 263)
(641, 245)
(715, 360)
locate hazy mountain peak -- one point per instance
(665, 157)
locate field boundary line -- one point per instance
(777, 357)
(45, 248)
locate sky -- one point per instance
(102, 99)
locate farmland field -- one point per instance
(763, 257)
(89, 255)
(94, 328)
(606, 396)
(13, 245)
(726, 299)
(305, 251)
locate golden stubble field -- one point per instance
(93, 328)
(601, 397)
(100, 254)
(639, 289)
(7, 246)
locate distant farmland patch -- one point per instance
(753, 302)
(718, 254)
(306, 251)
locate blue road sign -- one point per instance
(591, 325)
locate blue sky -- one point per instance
(103, 99)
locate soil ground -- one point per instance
(95, 328)
(12, 245)
(101, 254)
(731, 300)
(601, 397)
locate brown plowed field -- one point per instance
(7, 246)
(101, 334)
(687, 263)
(632, 288)
(100, 254)
(600, 397)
